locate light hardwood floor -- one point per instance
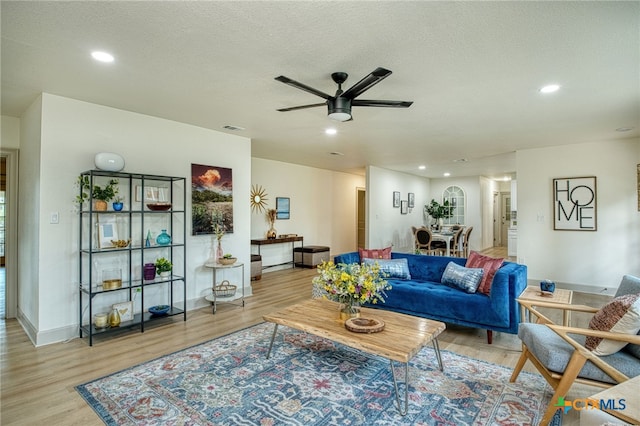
(38, 383)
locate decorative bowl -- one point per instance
(159, 206)
(227, 260)
(159, 310)
(120, 243)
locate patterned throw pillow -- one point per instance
(384, 253)
(621, 315)
(458, 276)
(490, 266)
(391, 268)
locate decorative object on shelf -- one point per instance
(211, 197)
(109, 161)
(364, 325)
(272, 233)
(114, 318)
(547, 287)
(147, 241)
(149, 272)
(111, 279)
(117, 204)
(163, 267)
(159, 310)
(283, 208)
(258, 199)
(227, 259)
(159, 207)
(225, 289)
(575, 204)
(101, 196)
(107, 232)
(100, 320)
(218, 232)
(125, 310)
(121, 243)
(352, 284)
(163, 239)
(438, 211)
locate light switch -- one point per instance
(55, 217)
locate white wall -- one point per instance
(386, 226)
(323, 207)
(10, 132)
(587, 260)
(72, 132)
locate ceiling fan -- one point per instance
(340, 104)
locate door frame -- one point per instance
(361, 212)
(11, 233)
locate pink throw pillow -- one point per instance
(490, 265)
(384, 253)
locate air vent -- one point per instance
(233, 128)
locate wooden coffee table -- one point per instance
(401, 339)
(533, 294)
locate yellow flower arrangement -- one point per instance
(352, 283)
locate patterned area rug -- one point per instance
(310, 381)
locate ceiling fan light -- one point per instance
(340, 116)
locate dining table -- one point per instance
(445, 236)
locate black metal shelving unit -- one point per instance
(134, 221)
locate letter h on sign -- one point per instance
(574, 204)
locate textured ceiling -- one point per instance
(472, 69)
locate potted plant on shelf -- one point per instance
(117, 203)
(163, 267)
(227, 259)
(100, 195)
(438, 211)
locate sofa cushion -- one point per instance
(490, 266)
(384, 253)
(391, 268)
(621, 315)
(466, 279)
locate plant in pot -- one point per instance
(270, 215)
(438, 211)
(117, 203)
(100, 195)
(227, 259)
(163, 267)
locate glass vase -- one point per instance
(219, 252)
(349, 310)
(163, 239)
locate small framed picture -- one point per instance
(403, 207)
(125, 309)
(106, 233)
(282, 208)
(412, 200)
(396, 198)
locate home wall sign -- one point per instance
(574, 204)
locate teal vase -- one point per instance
(163, 239)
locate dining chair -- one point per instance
(457, 243)
(559, 352)
(465, 241)
(423, 240)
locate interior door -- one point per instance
(505, 217)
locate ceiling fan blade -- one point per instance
(287, 80)
(372, 103)
(301, 107)
(366, 83)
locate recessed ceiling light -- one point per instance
(550, 88)
(331, 131)
(422, 167)
(447, 174)
(102, 56)
(624, 129)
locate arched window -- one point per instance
(456, 198)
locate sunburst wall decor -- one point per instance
(258, 198)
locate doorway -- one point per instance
(501, 218)
(361, 225)
(8, 232)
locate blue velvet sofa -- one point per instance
(425, 296)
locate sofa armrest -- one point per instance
(508, 283)
(351, 257)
